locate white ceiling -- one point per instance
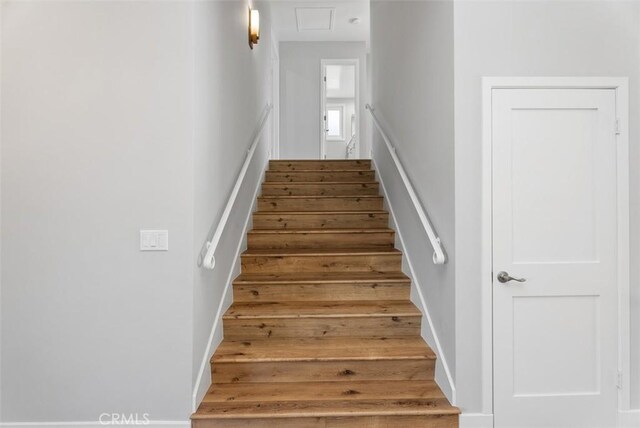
(301, 20)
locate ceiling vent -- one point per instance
(315, 18)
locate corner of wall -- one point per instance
(475, 420)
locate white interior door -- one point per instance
(554, 225)
(339, 109)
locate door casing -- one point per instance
(620, 85)
(323, 100)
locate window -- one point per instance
(335, 123)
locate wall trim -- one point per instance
(621, 86)
(200, 388)
(476, 420)
(629, 418)
(449, 385)
(92, 424)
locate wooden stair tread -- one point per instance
(322, 391)
(323, 231)
(351, 309)
(294, 164)
(321, 277)
(316, 170)
(323, 286)
(326, 213)
(317, 183)
(320, 252)
(319, 231)
(285, 161)
(309, 171)
(317, 188)
(356, 186)
(321, 176)
(355, 202)
(341, 408)
(323, 349)
(295, 219)
(355, 196)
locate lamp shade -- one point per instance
(254, 27)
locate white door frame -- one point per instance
(323, 100)
(621, 86)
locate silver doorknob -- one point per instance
(505, 277)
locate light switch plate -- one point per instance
(154, 240)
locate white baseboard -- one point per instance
(475, 420)
(626, 419)
(629, 418)
(94, 424)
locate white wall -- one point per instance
(96, 144)
(122, 117)
(537, 38)
(1, 38)
(412, 91)
(229, 101)
(300, 95)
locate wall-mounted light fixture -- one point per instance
(254, 27)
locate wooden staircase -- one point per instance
(322, 332)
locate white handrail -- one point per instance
(439, 255)
(350, 146)
(207, 253)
